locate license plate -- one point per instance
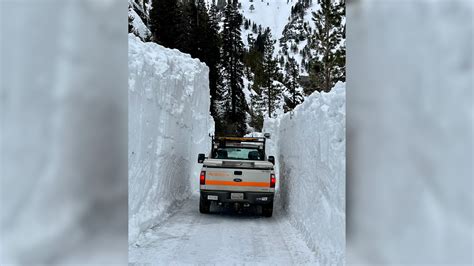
(212, 197)
(237, 196)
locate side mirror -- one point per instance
(271, 159)
(266, 135)
(201, 157)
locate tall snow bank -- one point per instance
(169, 123)
(309, 147)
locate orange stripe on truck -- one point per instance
(237, 184)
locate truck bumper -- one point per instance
(254, 198)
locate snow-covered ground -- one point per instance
(169, 123)
(191, 238)
(309, 148)
(269, 13)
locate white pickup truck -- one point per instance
(237, 172)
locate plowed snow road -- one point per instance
(189, 237)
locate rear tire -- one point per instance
(204, 206)
(267, 210)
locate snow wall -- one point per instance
(169, 123)
(309, 149)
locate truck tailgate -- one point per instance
(232, 178)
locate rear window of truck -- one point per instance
(233, 153)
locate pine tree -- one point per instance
(256, 111)
(164, 22)
(339, 72)
(202, 41)
(246, 24)
(187, 23)
(252, 8)
(329, 64)
(271, 92)
(214, 62)
(295, 96)
(233, 70)
(268, 93)
(201, 35)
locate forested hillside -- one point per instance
(264, 56)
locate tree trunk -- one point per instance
(294, 96)
(269, 102)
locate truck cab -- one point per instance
(237, 172)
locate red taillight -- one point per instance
(272, 180)
(202, 178)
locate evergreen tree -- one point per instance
(271, 92)
(233, 71)
(339, 72)
(254, 28)
(295, 96)
(256, 112)
(164, 22)
(267, 92)
(201, 36)
(187, 22)
(252, 8)
(329, 64)
(202, 41)
(214, 60)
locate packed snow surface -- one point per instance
(309, 148)
(169, 123)
(224, 238)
